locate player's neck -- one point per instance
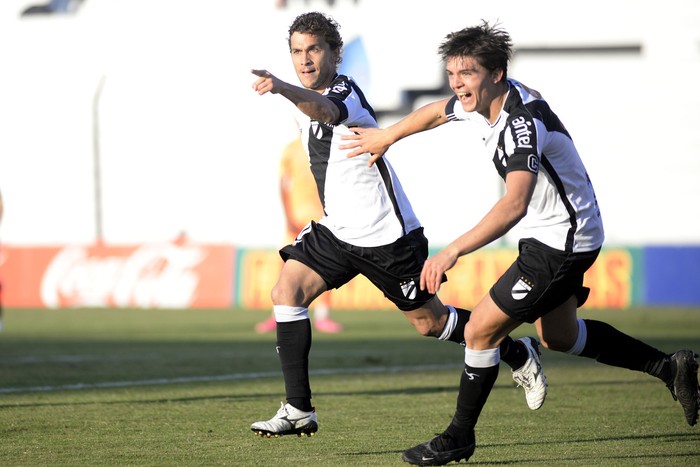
(497, 103)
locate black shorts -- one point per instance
(394, 269)
(541, 279)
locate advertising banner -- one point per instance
(158, 275)
(188, 275)
(611, 280)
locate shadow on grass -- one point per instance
(666, 437)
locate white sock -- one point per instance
(580, 339)
(287, 314)
(450, 324)
(482, 358)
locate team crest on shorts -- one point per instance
(409, 289)
(521, 288)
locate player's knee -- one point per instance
(480, 338)
(283, 295)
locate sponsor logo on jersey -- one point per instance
(533, 163)
(521, 132)
(409, 289)
(341, 87)
(521, 288)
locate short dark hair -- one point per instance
(489, 45)
(320, 25)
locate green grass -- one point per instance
(134, 387)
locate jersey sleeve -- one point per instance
(354, 108)
(452, 110)
(521, 143)
(338, 93)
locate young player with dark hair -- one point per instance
(551, 198)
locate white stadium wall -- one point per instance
(157, 96)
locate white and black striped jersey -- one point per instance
(363, 206)
(563, 212)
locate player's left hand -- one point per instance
(434, 269)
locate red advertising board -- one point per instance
(154, 275)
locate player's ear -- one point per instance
(497, 75)
(336, 56)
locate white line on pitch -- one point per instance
(229, 377)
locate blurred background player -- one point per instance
(301, 205)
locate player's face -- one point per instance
(314, 61)
(475, 86)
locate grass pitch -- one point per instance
(145, 387)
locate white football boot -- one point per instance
(287, 421)
(530, 376)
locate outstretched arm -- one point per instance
(376, 141)
(309, 102)
(502, 217)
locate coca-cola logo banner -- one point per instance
(159, 275)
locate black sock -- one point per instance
(458, 333)
(293, 346)
(607, 345)
(513, 352)
(474, 388)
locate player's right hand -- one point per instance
(435, 268)
(365, 140)
(266, 82)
